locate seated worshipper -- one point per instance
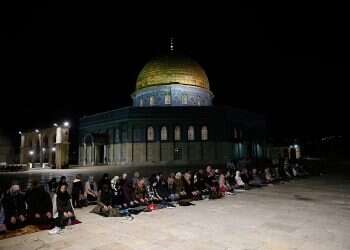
(91, 193)
(104, 203)
(14, 208)
(171, 189)
(199, 182)
(301, 170)
(282, 173)
(256, 180)
(212, 184)
(230, 178)
(189, 187)
(39, 205)
(160, 186)
(63, 211)
(104, 180)
(152, 193)
(52, 186)
(245, 175)
(239, 182)
(117, 199)
(297, 170)
(179, 185)
(127, 191)
(268, 176)
(224, 186)
(157, 188)
(77, 192)
(141, 194)
(2, 215)
(276, 173)
(287, 172)
(135, 179)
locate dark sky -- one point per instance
(289, 62)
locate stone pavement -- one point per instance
(304, 214)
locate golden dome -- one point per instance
(172, 68)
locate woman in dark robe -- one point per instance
(63, 211)
(14, 208)
(77, 192)
(171, 189)
(179, 185)
(39, 205)
(104, 203)
(128, 192)
(190, 188)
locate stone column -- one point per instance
(84, 154)
(93, 154)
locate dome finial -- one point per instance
(172, 44)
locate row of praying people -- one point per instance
(35, 207)
(126, 195)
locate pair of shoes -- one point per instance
(55, 230)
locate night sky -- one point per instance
(288, 62)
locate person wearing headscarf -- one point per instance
(128, 191)
(171, 189)
(90, 191)
(117, 200)
(77, 192)
(104, 180)
(189, 187)
(39, 204)
(14, 207)
(179, 185)
(135, 179)
(239, 181)
(104, 202)
(52, 186)
(162, 187)
(63, 211)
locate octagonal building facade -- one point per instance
(172, 121)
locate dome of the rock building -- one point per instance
(172, 68)
(172, 80)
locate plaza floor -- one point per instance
(303, 214)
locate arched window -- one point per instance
(190, 133)
(164, 134)
(177, 133)
(184, 99)
(151, 101)
(167, 99)
(204, 133)
(235, 133)
(141, 102)
(150, 134)
(198, 101)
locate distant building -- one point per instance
(45, 147)
(172, 121)
(7, 154)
